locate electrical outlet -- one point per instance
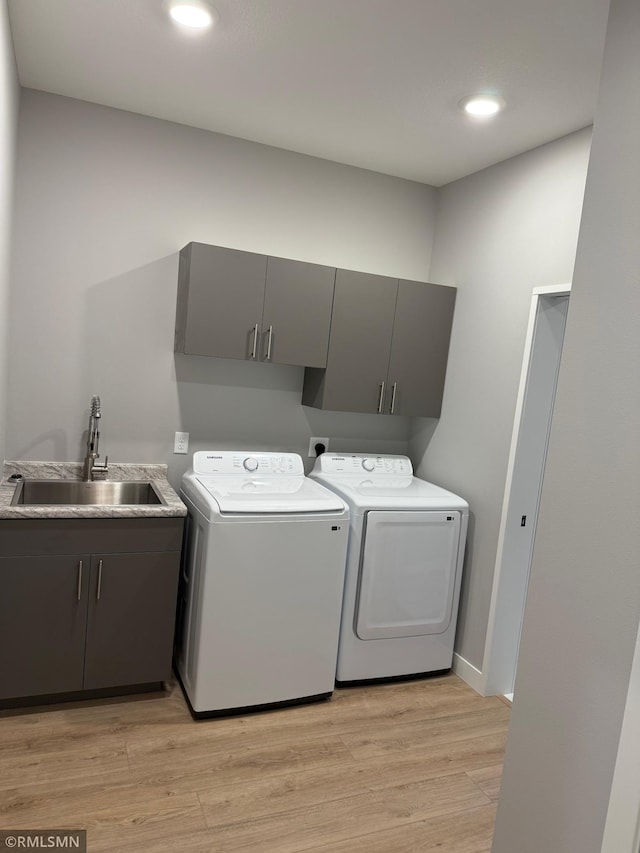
(312, 444)
(181, 442)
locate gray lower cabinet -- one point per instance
(43, 620)
(94, 619)
(235, 304)
(131, 615)
(388, 347)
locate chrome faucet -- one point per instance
(91, 470)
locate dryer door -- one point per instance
(407, 574)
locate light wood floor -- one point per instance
(410, 767)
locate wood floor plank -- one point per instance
(403, 736)
(52, 766)
(42, 800)
(488, 779)
(196, 842)
(470, 832)
(238, 763)
(263, 796)
(129, 824)
(334, 821)
(133, 825)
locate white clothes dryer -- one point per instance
(404, 567)
(261, 585)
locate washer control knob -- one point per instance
(250, 464)
(368, 464)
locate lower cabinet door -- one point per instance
(131, 617)
(43, 616)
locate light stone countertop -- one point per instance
(73, 471)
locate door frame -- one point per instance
(498, 673)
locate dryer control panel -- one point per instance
(363, 463)
(244, 463)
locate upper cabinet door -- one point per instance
(220, 301)
(360, 342)
(297, 312)
(418, 363)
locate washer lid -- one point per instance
(290, 494)
(406, 492)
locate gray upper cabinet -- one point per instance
(388, 347)
(297, 312)
(369, 343)
(419, 349)
(360, 343)
(220, 301)
(234, 304)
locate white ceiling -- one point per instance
(370, 83)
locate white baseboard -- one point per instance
(468, 673)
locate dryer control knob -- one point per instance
(250, 464)
(368, 464)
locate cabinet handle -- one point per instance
(254, 348)
(99, 580)
(269, 342)
(79, 579)
(393, 398)
(381, 398)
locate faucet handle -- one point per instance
(101, 470)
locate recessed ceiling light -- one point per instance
(482, 106)
(192, 13)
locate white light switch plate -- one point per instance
(181, 442)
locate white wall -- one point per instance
(9, 97)
(583, 605)
(500, 233)
(105, 199)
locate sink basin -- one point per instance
(96, 493)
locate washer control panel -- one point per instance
(247, 462)
(359, 463)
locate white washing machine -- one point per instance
(261, 586)
(404, 567)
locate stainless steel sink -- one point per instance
(75, 492)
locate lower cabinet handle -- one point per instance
(99, 580)
(79, 579)
(269, 342)
(254, 348)
(381, 398)
(393, 398)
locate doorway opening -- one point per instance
(527, 457)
